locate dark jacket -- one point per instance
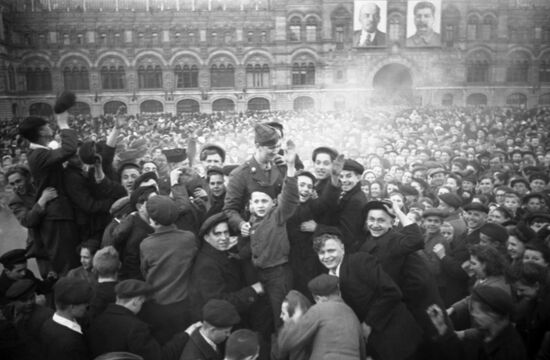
(118, 329)
(62, 343)
(104, 294)
(127, 237)
(218, 275)
(377, 301)
(198, 349)
(351, 219)
(242, 182)
(454, 276)
(268, 237)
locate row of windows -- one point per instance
(516, 71)
(151, 77)
(478, 99)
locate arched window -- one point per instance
(222, 75)
(41, 109)
(311, 29)
(223, 105)
(186, 76)
(188, 106)
(516, 99)
(258, 104)
(473, 28)
(80, 108)
(450, 20)
(303, 74)
(341, 21)
(113, 75)
(11, 78)
(149, 77)
(257, 74)
(488, 29)
(544, 70)
(477, 68)
(38, 79)
(518, 68)
(447, 100)
(111, 107)
(476, 99)
(303, 103)
(544, 99)
(76, 78)
(295, 29)
(151, 106)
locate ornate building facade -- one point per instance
(214, 55)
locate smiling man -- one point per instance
(373, 296)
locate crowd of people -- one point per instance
(384, 234)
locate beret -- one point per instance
(29, 125)
(436, 170)
(325, 150)
(20, 289)
(306, 173)
(451, 199)
(378, 205)
(137, 193)
(162, 209)
(64, 102)
(214, 170)
(519, 180)
(143, 178)
(265, 135)
(539, 215)
(538, 176)
(12, 257)
(175, 155)
(435, 212)
(72, 291)
(323, 285)
(211, 222)
(495, 231)
(494, 297)
(120, 207)
(476, 206)
(220, 313)
(242, 344)
(352, 165)
(132, 288)
(214, 147)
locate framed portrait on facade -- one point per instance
(369, 23)
(424, 23)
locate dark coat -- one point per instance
(242, 182)
(127, 237)
(377, 301)
(454, 276)
(378, 40)
(42, 287)
(351, 219)
(104, 294)
(198, 349)
(118, 329)
(62, 343)
(303, 260)
(57, 229)
(28, 333)
(217, 275)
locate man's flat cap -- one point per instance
(440, 213)
(451, 199)
(476, 206)
(323, 285)
(324, 150)
(352, 165)
(495, 298)
(72, 291)
(220, 313)
(21, 289)
(132, 288)
(379, 205)
(211, 222)
(12, 257)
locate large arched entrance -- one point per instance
(393, 85)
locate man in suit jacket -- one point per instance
(57, 228)
(369, 35)
(119, 329)
(219, 316)
(61, 336)
(376, 300)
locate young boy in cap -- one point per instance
(167, 256)
(330, 326)
(61, 336)
(259, 172)
(119, 328)
(269, 242)
(242, 344)
(218, 318)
